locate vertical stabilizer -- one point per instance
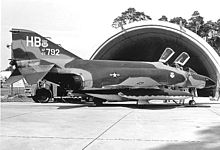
(27, 45)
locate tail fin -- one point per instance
(28, 45)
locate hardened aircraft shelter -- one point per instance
(146, 41)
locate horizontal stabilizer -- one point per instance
(35, 73)
(31, 74)
(13, 79)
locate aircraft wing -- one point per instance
(134, 93)
(159, 94)
(135, 88)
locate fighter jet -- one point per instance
(40, 61)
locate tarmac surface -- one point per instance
(56, 126)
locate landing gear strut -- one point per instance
(192, 102)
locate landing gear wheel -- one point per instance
(192, 103)
(42, 95)
(97, 102)
(35, 99)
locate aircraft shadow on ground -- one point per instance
(132, 106)
(147, 106)
(209, 140)
(72, 106)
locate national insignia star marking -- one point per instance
(114, 75)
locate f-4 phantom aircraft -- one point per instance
(38, 60)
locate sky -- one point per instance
(82, 26)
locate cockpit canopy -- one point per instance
(167, 54)
(182, 59)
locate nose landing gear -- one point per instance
(192, 102)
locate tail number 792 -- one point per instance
(48, 51)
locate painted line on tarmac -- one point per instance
(15, 116)
(31, 112)
(149, 140)
(214, 112)
(107, 130)
(45, 137)
(103, 139)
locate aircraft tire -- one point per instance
(192, 102)
(42, 95)
(35, 99)
(97, 102)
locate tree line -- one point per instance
(209, 30)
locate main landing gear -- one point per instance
(43, 95)
(97, 101)
(192, 102)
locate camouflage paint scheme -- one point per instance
(36, 58)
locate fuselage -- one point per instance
(101, 73)
(104, 72)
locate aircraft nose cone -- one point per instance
(209, 83)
